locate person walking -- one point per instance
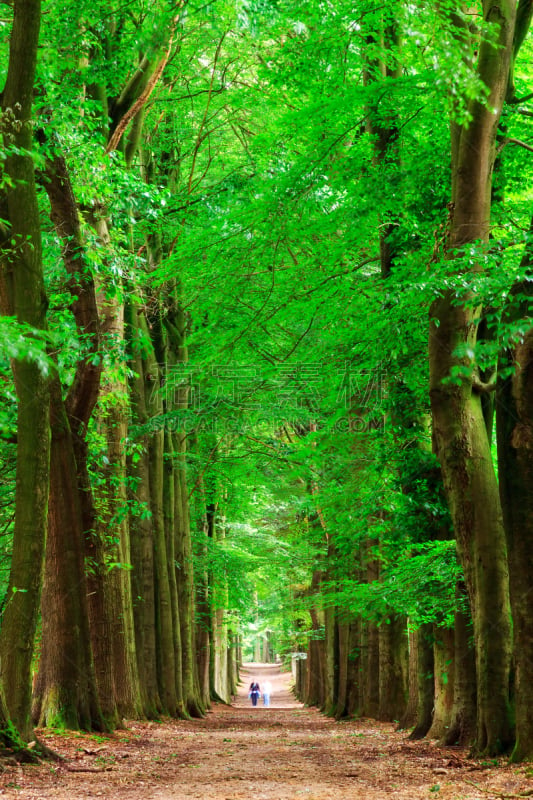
(267, 691)
(254, 692)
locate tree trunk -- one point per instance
(219, 628)
(166, 629)
(171, 487)
(514, 417)
(462, 444)
(23, 295)
(425, 681)
(233, 659)
(113, 518)
(220, 655)
(203, 614)
(142, 387)
(411, 712)
(443, 651)
(331, 660)
(177, 353)
(185, 583)
(354, 697)
(462, 725)
(71, 496)
(65, 690)
(341, 709)
(371, 644)
(393, 668)
(165, 492)
(315, 678)
(122, 686)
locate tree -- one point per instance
(461, 438)
(23, 295)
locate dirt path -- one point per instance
(285, 752)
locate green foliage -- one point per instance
(257, 200)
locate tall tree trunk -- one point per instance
(315, 672)
(514, 421)
(177, 350)
(202, 608)
(168, 638)
(393, 668)
(23, 295)
(66, 688)
(354, 697)
(122, 687)
(65, 691)
(443, 670)
(342, 692)
(233, 664)
(170, 509)
(143, 386)
(462, 725)
(371, 643)
(185, 583)
(425, 681)
(219, 627)
(166, 501)
(112, 423)
(514, 416)
(411, 711)
(462, 444)
(331, 662)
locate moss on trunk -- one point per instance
(23, 293)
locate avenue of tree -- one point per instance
(266, 361)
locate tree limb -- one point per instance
(134, 109)
(479, 387)
(518, 142)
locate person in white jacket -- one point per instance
(267, 691)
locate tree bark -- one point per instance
(177, 355)
(342, 691)
(202, 607)
(142, 387)
(219, 642)
(65, 690)
(410, 714)
(66, 681)
(462, 726)
(514, 416)
(371, 659)
(425, 681)
(331, 660)
(393, 668)
(354, 697)
(314, 690)
(443, 670)
(462, 444)
(23, 290)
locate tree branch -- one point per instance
(479, 387)
(518, 142)
(134, 109)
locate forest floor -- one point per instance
(285, 752)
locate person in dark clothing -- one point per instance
(254, 692)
